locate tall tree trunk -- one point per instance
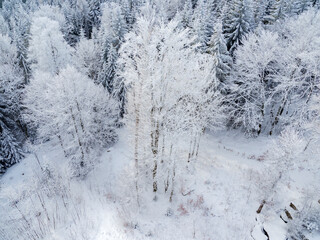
(194, 146)
(155, 137)
(172, 181)
(136, 141)
(278, 115)
(155, 151)
(136, 149)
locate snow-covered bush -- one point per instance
(306, 221)
(287, 147)
(284, 155)
(51, 206)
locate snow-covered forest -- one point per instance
(159, 119)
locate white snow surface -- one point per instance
(218, 202)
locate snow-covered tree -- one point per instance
(94, 16)
(72, 108)
(54, 13)
(48, 51)
(87, 57)
(77, 18)
(186, 14)
(4, 28)
(276, 74)
(10, 149)
(11, 126)
(217, 47)
(19, 24)
(254, 69)
(169, 87)
(237, 20)
(203, 23)
(113, 29)
(114, 26)
(260, 9)
(287, 147)
(300, 6)
(275, 12)
(167, 9)
(300, 73)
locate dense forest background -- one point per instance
(263, 73)
(82, 75)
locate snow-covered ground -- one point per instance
(219, 200)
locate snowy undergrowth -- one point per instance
(218, 199)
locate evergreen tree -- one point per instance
(76, 14)
(10, 149)
(236, 23)
(278, 9)
(94, 16)
(268, 15)
(4, 28)
(203, 23)
(11, 127)
(19, 23)
(218, 48)
(300, 6)
(261, 8)
(109, 67)
(129, 9)
(186, 14)
(113, 28)
(217, 6)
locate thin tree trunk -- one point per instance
(198, 144)
(136, 149)
(162, 149)
(155, 157)
(190, 150)
(78, 137)
(62, 146)
(194, 145)
(155, 136)
(136, 142)
(172, 182)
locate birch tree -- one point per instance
(169, 92)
